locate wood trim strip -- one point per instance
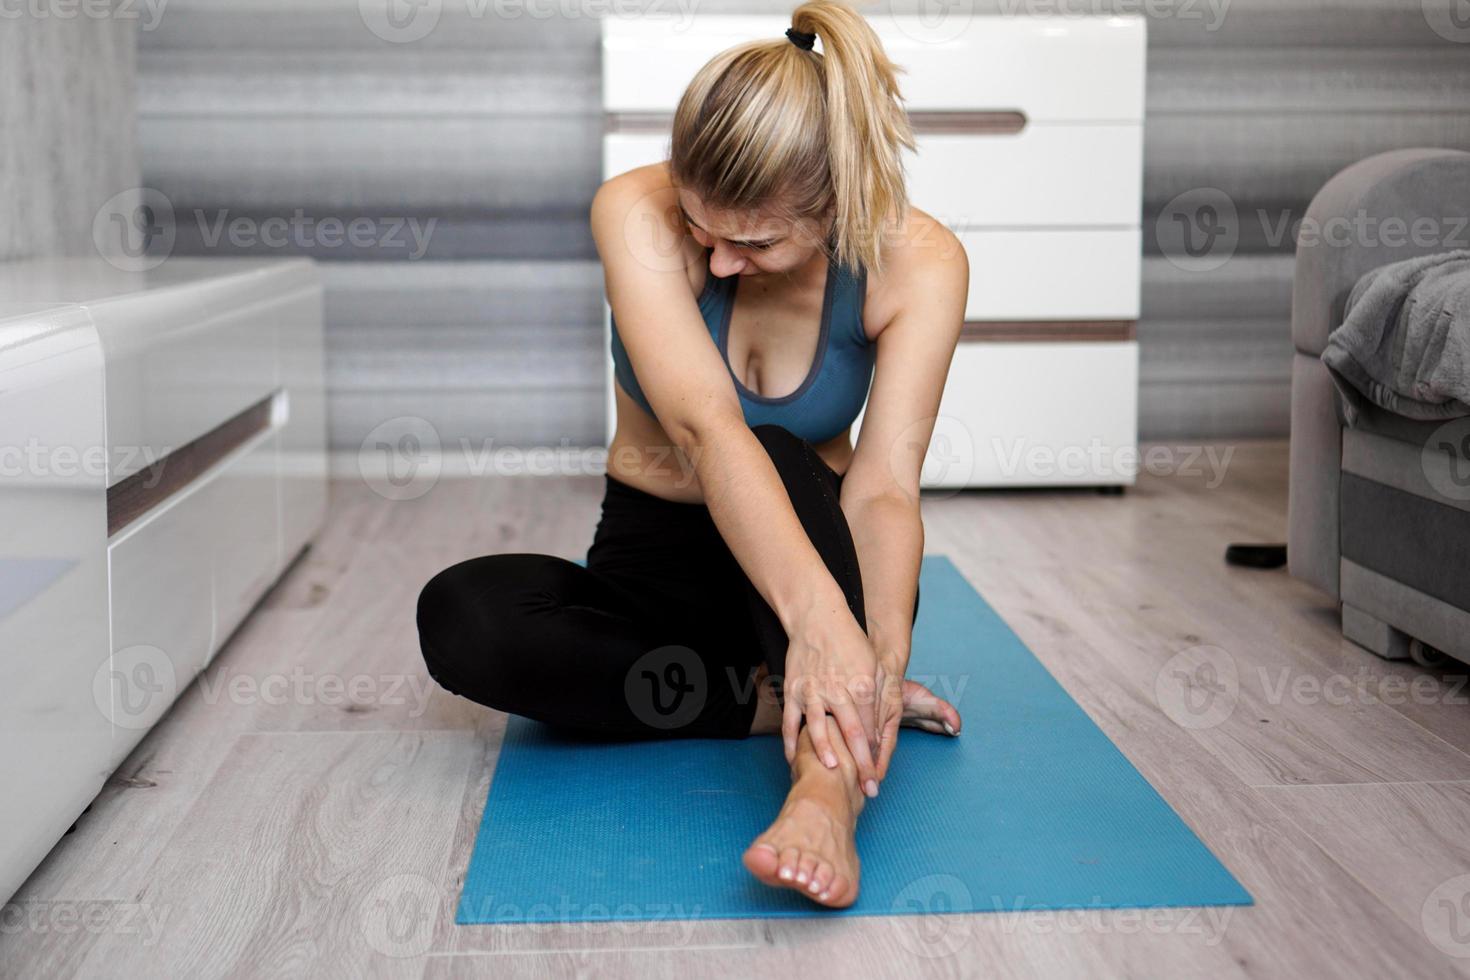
(133, 496)
(1007, 122)
(1047, 331)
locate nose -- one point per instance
(725, 261)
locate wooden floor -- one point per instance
(309, 806)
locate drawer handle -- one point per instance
(963, 122)
(1047, 331)
(133, 496)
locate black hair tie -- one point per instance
(800, 38)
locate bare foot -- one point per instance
(922, 709)
(809, 848)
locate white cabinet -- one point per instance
(162, 458)
(1030, 147)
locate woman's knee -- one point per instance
(473, 618)
(780, 443)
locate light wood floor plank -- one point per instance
(263, 827)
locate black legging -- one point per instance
(661, 634)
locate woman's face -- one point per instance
(749, 243)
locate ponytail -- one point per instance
(771, 123)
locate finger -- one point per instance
(816, 726)
(857, 742)
(888, 741)
(790, 727)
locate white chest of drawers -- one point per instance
(1030, 147)
(162, 461)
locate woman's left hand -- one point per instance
(889, 683)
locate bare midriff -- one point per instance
(643, 456)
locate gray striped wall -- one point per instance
(489, 128)
(66, 127)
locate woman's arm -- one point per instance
(690, 391)
(880, 493)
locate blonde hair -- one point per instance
(769, 125)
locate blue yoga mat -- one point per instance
(1030, 808)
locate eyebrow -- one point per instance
(742, 242)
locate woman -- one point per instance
(752, 571)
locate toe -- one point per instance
(838, 894)
(821, 878)
(790, 857)
(805, 868)
(762, 861)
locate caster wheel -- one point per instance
(1425, 655)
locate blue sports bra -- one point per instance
(836, 386)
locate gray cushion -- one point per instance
(1343, 234)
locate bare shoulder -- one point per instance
(637, 192)
(923, 262)
(635, 224)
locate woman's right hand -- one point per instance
(830, 670)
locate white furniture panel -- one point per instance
(1045, 175)
(246, 540)
(163, 618)
(1042, 274)
(1051, 68)
(53, 578)
(118, 582)
(998, 427)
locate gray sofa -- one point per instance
(1370, 519)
